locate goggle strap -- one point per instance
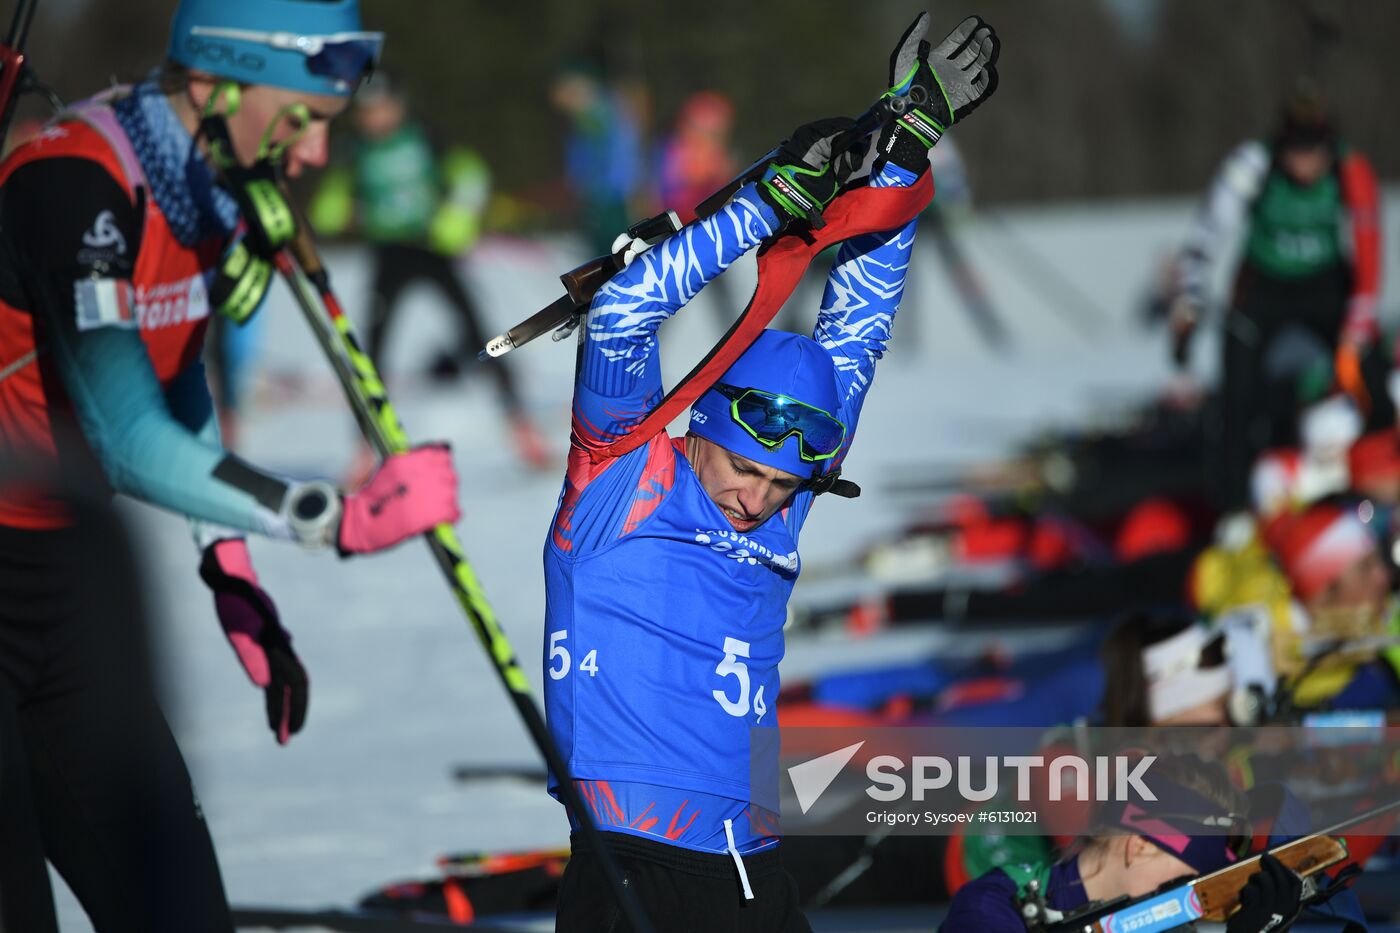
(298, 113)
(834, 484)
(229, 89)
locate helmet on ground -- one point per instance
(778, 405)
(311, 46)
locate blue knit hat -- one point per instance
(312, 46)
(781, 363)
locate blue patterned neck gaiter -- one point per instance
(176, 173)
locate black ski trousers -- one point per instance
(679, 890)
(90, 777)
(1257, 415)
(399, 265)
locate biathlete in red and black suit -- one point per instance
(117, 243)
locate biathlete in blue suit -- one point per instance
(668, 568)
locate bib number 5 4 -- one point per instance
(559, 660)
(734, 649)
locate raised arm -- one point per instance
(944, 84)
(619, 377)
(862, 295)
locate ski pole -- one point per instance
(12, 67)
(301, 266)
(852, 872)
(1072, 303)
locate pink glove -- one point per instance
(250, 622)
(409, 494)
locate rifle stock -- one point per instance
(1210, 897)
(582, 282)
(580, 285)
(1219, 893)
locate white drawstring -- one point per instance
(738, 861)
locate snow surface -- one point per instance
(401, 692)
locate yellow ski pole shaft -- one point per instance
(300, 265)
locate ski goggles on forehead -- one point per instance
(346, 57)
(772, 418)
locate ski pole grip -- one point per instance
(305, 252)
(302, 246)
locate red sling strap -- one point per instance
(781, 264)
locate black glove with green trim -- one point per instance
(804, 178)
(942, 86)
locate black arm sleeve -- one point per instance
(62, 220)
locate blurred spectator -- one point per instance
(602, 157)
(698, 158)
(694, 162)
(1296, 195)
(1374, 463)
(1123, 854)
(1165, 672)
(1343, 599)
(1292, 477)
(420, 207)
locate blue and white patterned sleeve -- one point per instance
(856, 320)
(619, 378)
(858, 307)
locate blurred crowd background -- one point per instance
(1102, 98)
